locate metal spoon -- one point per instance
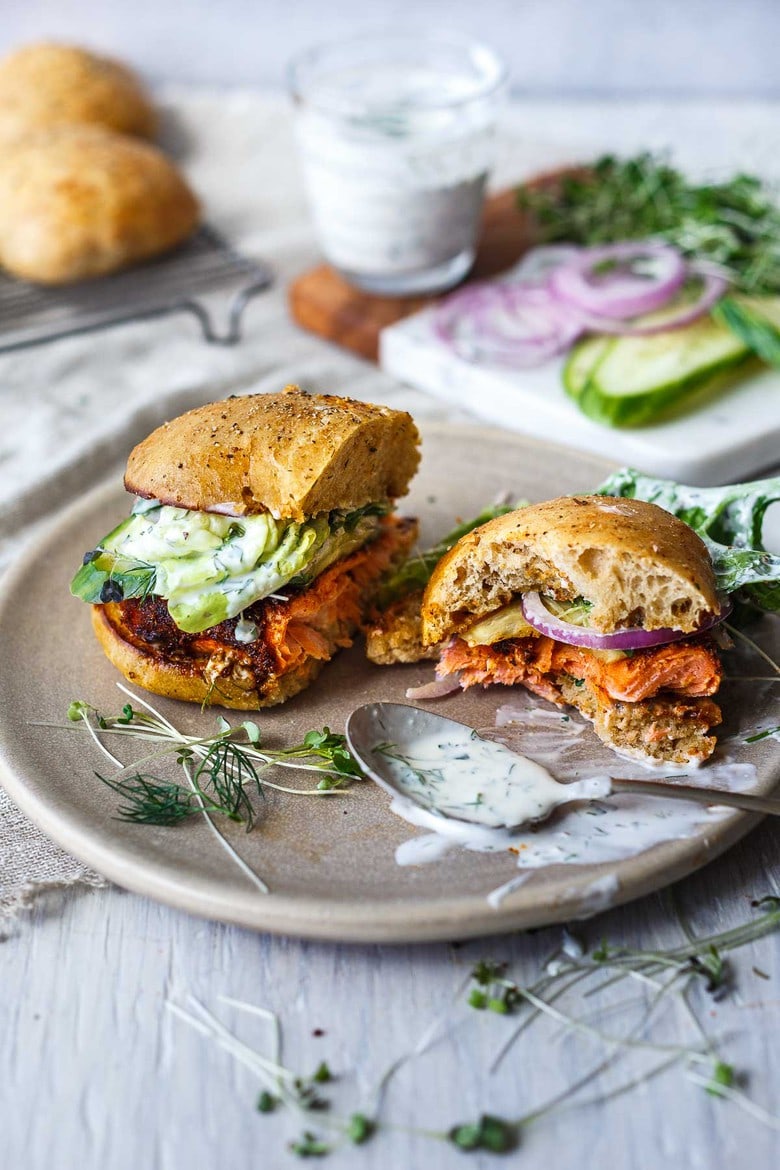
(383, 738)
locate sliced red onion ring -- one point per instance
(436, 689)
(507, 324)
(713, 287)
(646, 276)
(535, 267)
(538, 615)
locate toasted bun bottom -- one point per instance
(190, 679)
(663, 730)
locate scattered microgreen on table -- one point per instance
(687, 977)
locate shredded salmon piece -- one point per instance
(310, 623)
(690, 668)
(687, 668)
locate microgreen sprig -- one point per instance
(492, 990)
(698, 962)
(227, 763)
(218, 768)
(734, 223)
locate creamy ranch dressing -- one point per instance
(395, 176)
(462, 775)
(592, 834)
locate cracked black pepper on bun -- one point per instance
(291, 454)
(261, 530)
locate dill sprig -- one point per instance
(229, 764)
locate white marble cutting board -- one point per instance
(732, 436)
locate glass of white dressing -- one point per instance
(397, 136)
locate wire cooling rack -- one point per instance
(32, 315)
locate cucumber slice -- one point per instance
(754, 320)
(639, 378)
(582, 362)
(121, 577)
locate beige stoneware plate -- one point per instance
(329, 862)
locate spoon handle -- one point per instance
(743, 800)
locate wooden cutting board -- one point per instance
(322, 302)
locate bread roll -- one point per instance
(79, 201)
(637, 564)
(291, 454)
(50, 84)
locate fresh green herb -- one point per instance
(266, 1102)
(149, 801)
(360, 1128)
(322, 1074)
(308, 1095)
(657, 972)
(415, 573)
(730, 522)
(735, 224)
(225, 763)
(763, 734)
(230, 763)
(488, 1133)
(722, 1077)
(309, 1145)
(493, 991)
(710, 964)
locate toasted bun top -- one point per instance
(636, 563)
(291, 454)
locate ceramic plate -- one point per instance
(329, 863)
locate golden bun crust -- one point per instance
(291, 454)
(636, 563)
(79, 201)
(188, 680)
(50, 84)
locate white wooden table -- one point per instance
(95, 1072)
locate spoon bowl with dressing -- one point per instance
(450, 772)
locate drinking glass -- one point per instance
(397, 136)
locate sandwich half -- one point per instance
(261, 529)
(601, 603)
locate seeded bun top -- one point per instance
(291, 454)
(637, 564)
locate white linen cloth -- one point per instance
(70, 411)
